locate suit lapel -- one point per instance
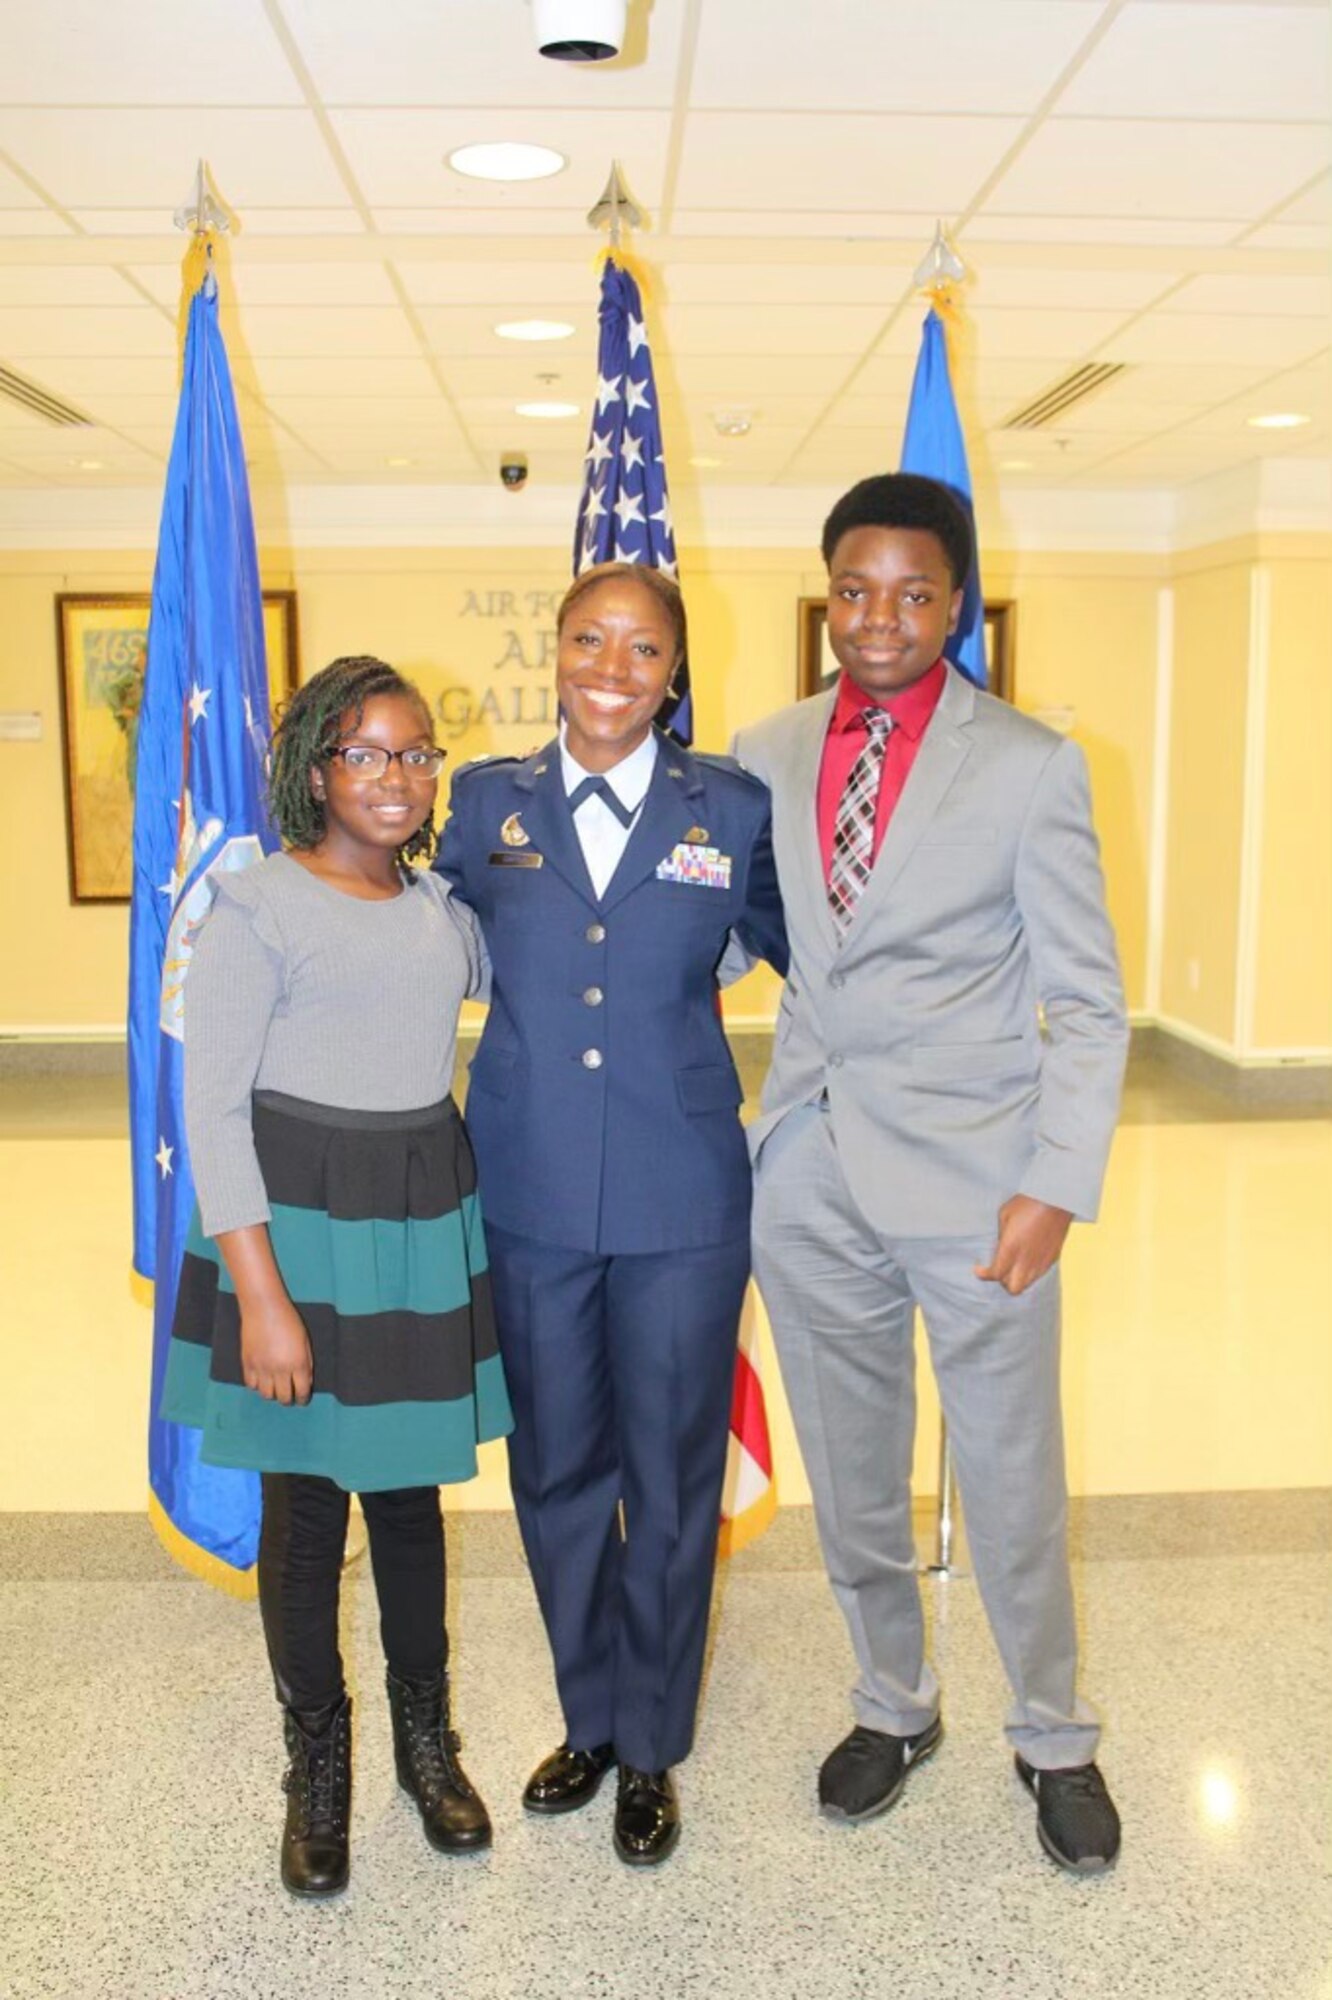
(548, 821)
(944, 749)
(804, 757)
(669, 811)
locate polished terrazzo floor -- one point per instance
(139, 1745)
(142, 1807)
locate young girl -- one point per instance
(334, 1328)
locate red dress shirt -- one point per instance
(911, 711)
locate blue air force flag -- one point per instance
(934, 445)
(624, 514)
(198, 811)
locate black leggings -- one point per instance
(301, 1548)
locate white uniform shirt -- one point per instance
(601, 835)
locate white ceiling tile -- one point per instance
(1184, 385)
(739, 378)
(743, 283)
(293, 283)
(398, 156)
(324, 330)
(798, 329)
(570, 281)
(1184, 337)
(1288, 236)
(1235, 62)
(348, 414)
(338, 375)
(145, 158)
(65, 285)
(1313, 205)
(144, 52)
(494, 224)
(91, 331)
(1111, 167)
(1072, 284)
(1059, 334)
(1252, 296)
(470, 330)
(342, 220)
(851, 161)
(31, 222)
(890, 227)
(454, 52)
(889, 55)
(81, 379)
(1165, 232)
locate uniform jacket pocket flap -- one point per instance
(493, 1070)
(715, 1087)
(1011, 1055)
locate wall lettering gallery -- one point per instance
(505, 641)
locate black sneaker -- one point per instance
(1075, 1816)
(865, 1774)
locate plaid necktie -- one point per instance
(853, 831)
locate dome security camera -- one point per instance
(513, 470)
(579, 30)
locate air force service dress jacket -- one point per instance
(603, 1102)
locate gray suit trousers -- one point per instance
(841, 1297)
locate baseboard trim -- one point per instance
(1304, 1080)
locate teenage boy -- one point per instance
(926, 1141)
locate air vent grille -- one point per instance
(29, 397)
(1054, 402)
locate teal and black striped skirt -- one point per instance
(377, 1232)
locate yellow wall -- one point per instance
(1204, 829)
(1085, 639)
(1293, 973)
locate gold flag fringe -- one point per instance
(742, 1529)
(241, 1583)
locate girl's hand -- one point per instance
(275, 1352)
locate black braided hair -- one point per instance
(319, 716)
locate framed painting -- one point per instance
(816, 668)
(102, 642)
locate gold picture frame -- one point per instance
(102, 643)
(816, 668)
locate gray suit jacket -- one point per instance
(922, 1026)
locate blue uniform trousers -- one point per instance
(620, 1371)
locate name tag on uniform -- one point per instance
(705, 867)
(516, 857)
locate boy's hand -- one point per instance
(275, 1352)
(1031, 1236)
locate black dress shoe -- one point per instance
(647, 1817)
(865, 1774)
(1076, 1821)
(567, 1779)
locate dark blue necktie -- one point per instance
(597, 788)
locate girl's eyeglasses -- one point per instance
(367, 760)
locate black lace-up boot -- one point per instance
(318, 1786)
(426, 1747)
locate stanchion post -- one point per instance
(946, 1531)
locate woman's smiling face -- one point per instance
(617, 651)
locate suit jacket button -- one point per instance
(837, 979)
(592, 1059)
(834, 1061)
(595, 934)
(593, 996)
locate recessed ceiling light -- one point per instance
(733, 423)
(398, 463)
(89, 464)
(506, 161)
(550, 410)
(534, 329)
(1015, 465)
(1278, 420)
(705, 464)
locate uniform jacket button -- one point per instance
(595, 934)
(593, 996)
(592, 1059)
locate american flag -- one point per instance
(624, 514)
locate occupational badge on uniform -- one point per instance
(696, 836)
(513, 833)
(702, 867)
